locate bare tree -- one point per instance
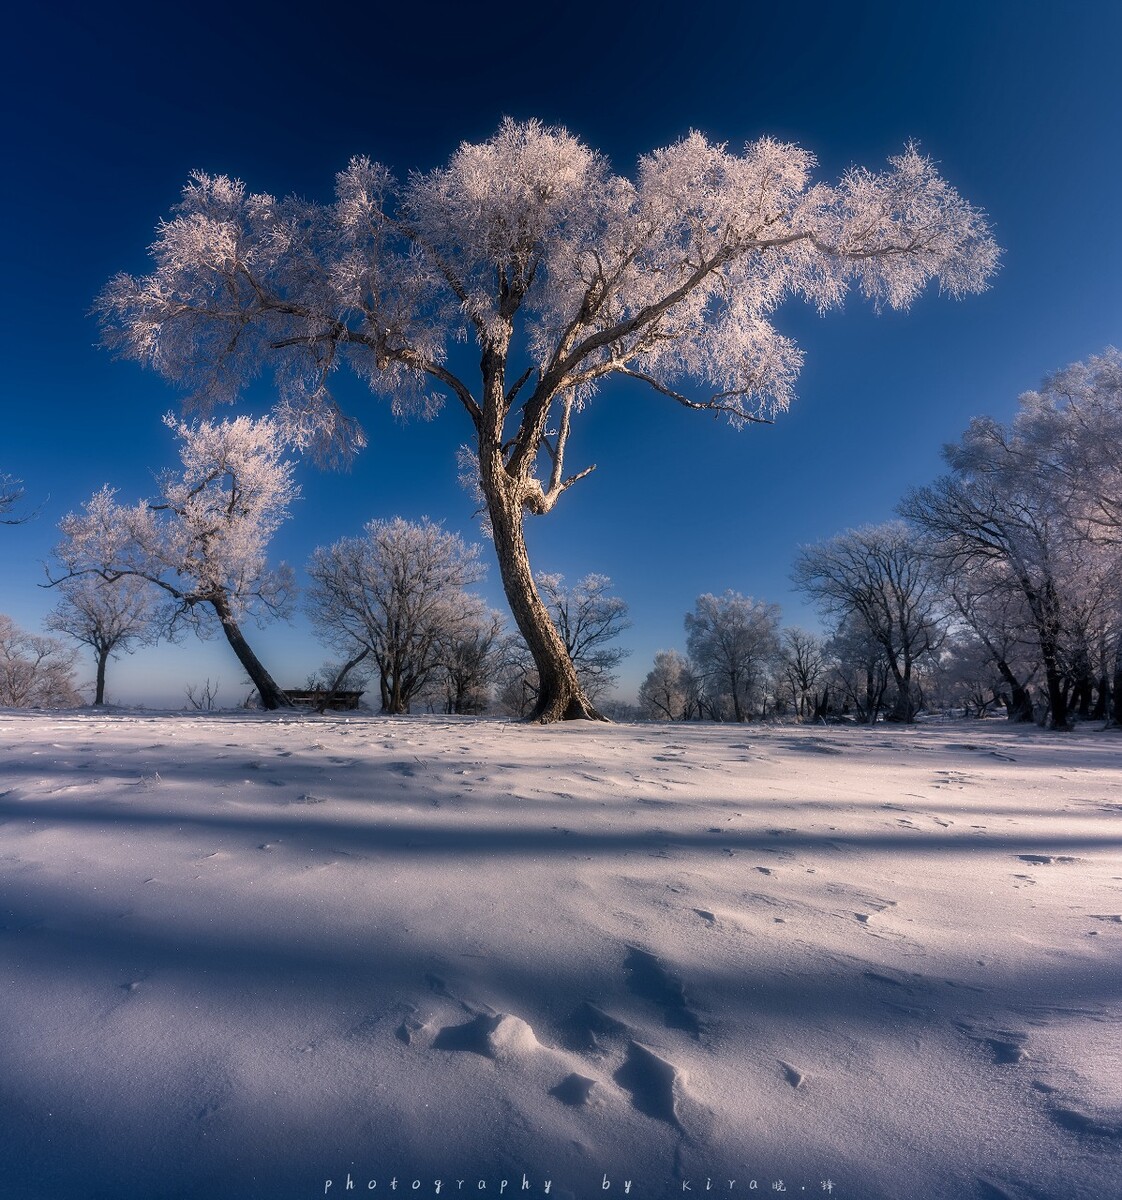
(398, 592)
(859, 668)
(470, 659)
(587, 618)
(802, 665)
(110, 617)
(879, 574)
(991, 515)
(203, 543)
(733, 643)
(203, 698)
(562, 272)
(992, 608)
(671, 690)
(35, 671)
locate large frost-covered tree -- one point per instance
(562, 273)
(203, 542)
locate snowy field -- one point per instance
(261, 957)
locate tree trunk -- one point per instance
(102, 659)
(336, 685)
(1114, 705)
(271, 696)
(1057, 693)
(560, 695)
(1019, 706)
(904, 709)
(1045, 609)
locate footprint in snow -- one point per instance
(587, 1027)
(1045, 860)
(574, 1090)
(655, 1085)
(793, 1075)
(1007, 1046)
(495, 1036)
(649, 979)
(1086, 1125)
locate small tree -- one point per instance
(802, 666)
(203, 543)
(398, 592)
(733, 642)
(470, 659)
(586, 618)
(562, 272)
(35, 671)
(880, 574)
(671, 690)
(859, 668)
(110, 617)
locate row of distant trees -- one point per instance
(559, 272)
(1000, 587)
(393, 603)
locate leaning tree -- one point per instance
(203, 542)
(563, 274)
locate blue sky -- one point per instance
(109, 107)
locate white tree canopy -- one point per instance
(670, 277)
(561, 271)
(204, 541)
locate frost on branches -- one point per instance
(203, 541)
(108, 617)
(562, 272)
(35, 671)
(1029, 519)
(397, 594)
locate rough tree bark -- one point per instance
(1019, 708)
(560, 695)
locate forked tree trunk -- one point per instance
(271, 696)
(560, 695)
(1019, 707)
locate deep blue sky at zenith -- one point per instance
(108, 108)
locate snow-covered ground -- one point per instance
(244, 957)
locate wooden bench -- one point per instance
(341, 701)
